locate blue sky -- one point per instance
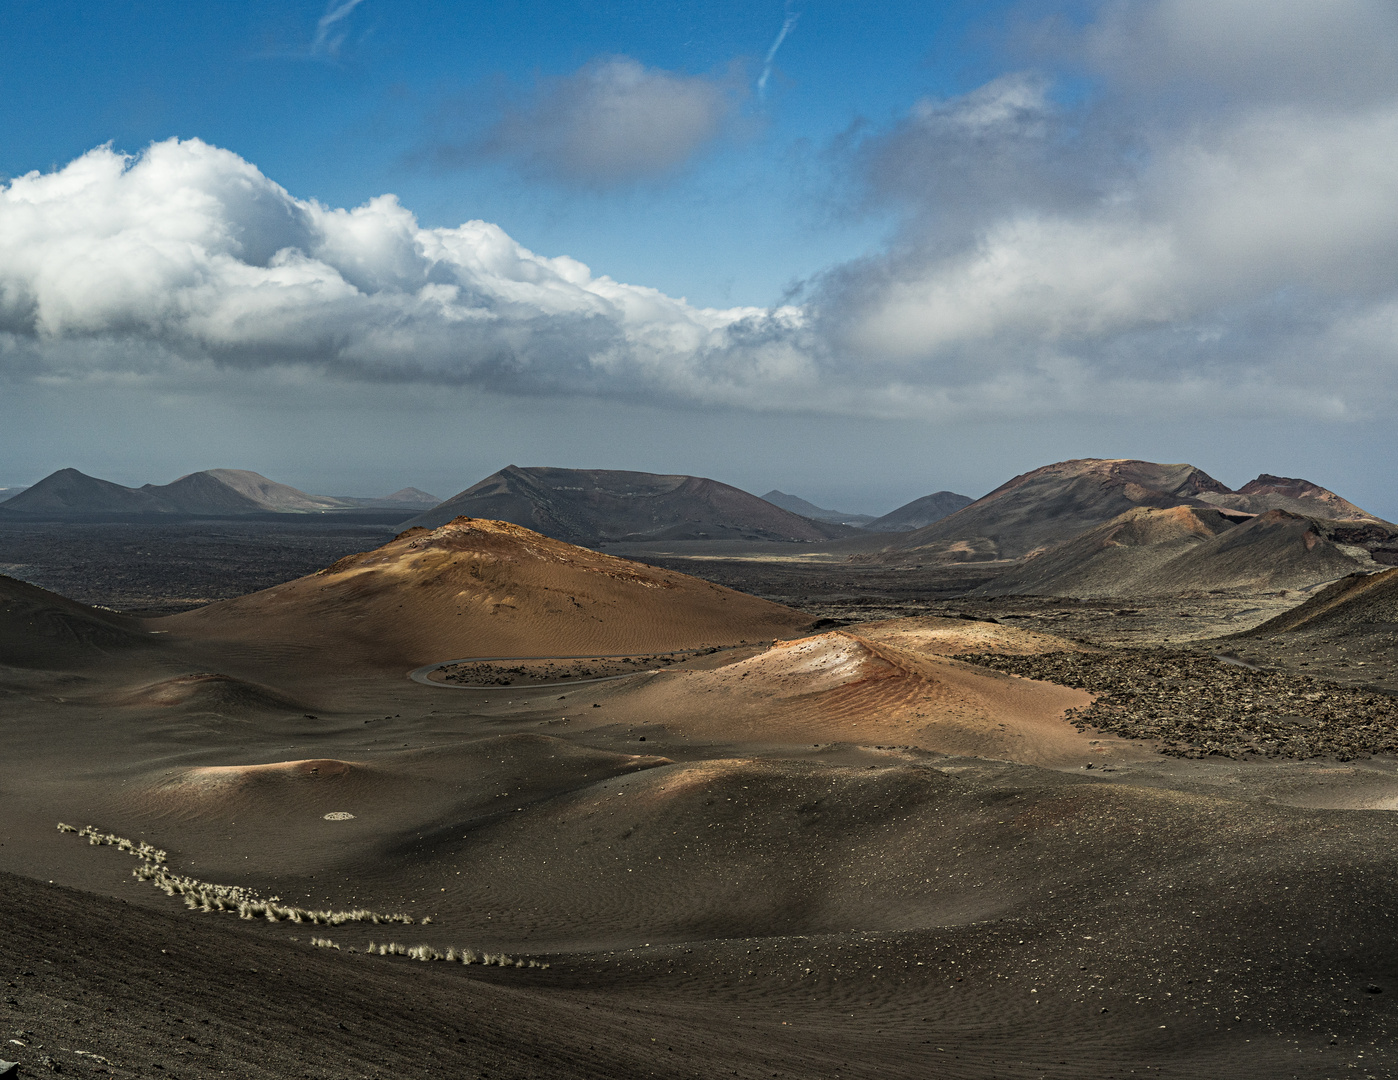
(359, 113)
(939, 244)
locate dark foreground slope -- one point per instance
(752, 863)
(996, 922)
(41, 629)
(594, 506)
(1350, 627)
(1362, 603)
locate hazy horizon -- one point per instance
(853, 503)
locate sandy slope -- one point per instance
(43, 630)
(841, 688)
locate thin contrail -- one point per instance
(787, 24)
(333, 14)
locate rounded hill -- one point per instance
(597, 506)
(486, 588)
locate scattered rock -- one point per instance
(1196, 706)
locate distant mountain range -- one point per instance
(1095, 527)
(920, 513)
(798, 505)
(913, 515)
(213, 492)
(1053, 504)
(599, 506)
(1081, 528)
(1150, 552)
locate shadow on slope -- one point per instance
(40, 629)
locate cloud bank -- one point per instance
(1212, 230)
(187, 254)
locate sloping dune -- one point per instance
(839, 687)
(208, 692)
(314, 785)
(485, 588)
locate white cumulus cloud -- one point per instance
(189, 251)
(1230, 248)
(1229, 245)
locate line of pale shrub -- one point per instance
(205, 896)
(452, 955)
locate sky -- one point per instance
(857, 252)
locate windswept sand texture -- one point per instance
(843, 688)
(811, 855)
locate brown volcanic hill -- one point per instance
(1361, 603)
(44, 630)
(410, 496)
(1148, 552)
(1270, 492)
(484, 588)
(1275, 550)
(802, 508)
(921, 512)
(1111, 559)
(1059, 501)
(594, 506)
(268, 494)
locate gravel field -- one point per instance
(1196, 705)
